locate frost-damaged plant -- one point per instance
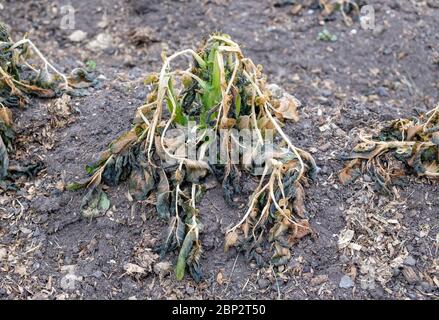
(402, 146)
(21, 78)
(221, 91)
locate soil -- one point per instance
(48, 251)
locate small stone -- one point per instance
(388, 51)
(382, 92)
(346, 282)
(263, 283)
(78, 36)
(410, 261)
(326, 93)
(190, 290)
(68, 282)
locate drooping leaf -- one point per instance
(141, 183)
(163, 195)
(350, 173)
(80, 78)
(123, 142)
(193, 262)
(185, 249)
(6, 116)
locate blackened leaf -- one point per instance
(95, 203)
(277, 230)
(163, 193)
(298, 203)
(193, 262)
(117, 169)
(170, 242)
(258, 258)
(141, 183)
(80, 78)
(281, 256)
(180, 232)
(231, 185)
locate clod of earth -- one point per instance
(220, 93)
(22, 78)
(403, 146)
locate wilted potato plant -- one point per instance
(220, 94)
(402, 146)
(21, 77)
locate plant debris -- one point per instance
(403, 146)
(21, 78)
(220, 93)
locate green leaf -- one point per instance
(237, 105)
(179, 116)
(74, 186)
(183, 255)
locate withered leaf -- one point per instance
(6, 116)
(141, 183)
(300, 230)
(163, 194)
(230, 240)
(122, 142)
(95, 203)
(193, 261)
(298, 203)
(287, 108)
